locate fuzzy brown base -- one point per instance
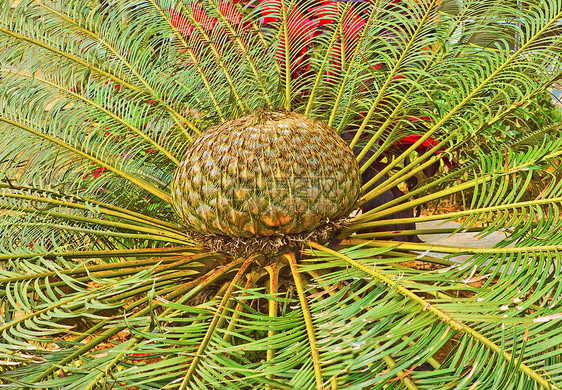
(271, 246)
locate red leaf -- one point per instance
(269, 10)
(180, 22)
(230, 12)
(326, 12)
(413, 138)
(300, 27)
(415, 119)
(202, 18)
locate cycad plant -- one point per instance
(214, 194)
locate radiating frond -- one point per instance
(103, 287)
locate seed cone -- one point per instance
(269, 174)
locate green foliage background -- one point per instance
(100, 286)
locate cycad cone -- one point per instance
(270, 174)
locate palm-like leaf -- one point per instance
(101, 288)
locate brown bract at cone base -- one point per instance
(270, 246)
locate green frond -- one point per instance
(101, 285)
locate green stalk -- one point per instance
(130, 266)
(171, 251)
(382, 129)
(273, 288)
(448, 216)
(218, 57)
(178, 118)
(107, 112)
(370, 215)
(415, 191)
(426, 306)
(70, 57)
(417, 166)
(52, 306)
(392, 73)
(104, 208)
(320, 72)
(290, 257)
(147, 285)
(251, 279)
(102, 222)
(244, 50)
(351, 242)
(109, 233)
(283, 14)
(392, 116)
(387, 359)
(351, 67)
(214, 323)
(171, 292)
(454, 249)
(453, 111)
(145, 186)
(194, 60)
(376, 235)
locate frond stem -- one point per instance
(285, 24)
(194, 60)
(244, 50)
(399, 233)
(448, 216)
(181, 239)
(290, 258)
(51, 306)
(178, 118)
(410, 246)
(93, 272)
(218, 58)
(105, 208)
(350, 67)
(70, 57)
(107, 112)
(320, 71)
(214, 323)
(371, 214)
(170, 251)
(251, 279)
(153, 190)
(393, 72)
(465, 101)
(273, 271)
(119, 214)
(171, 292)
(387, 359)
(426, 306)
(109, 233)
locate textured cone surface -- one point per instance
(274, 173)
